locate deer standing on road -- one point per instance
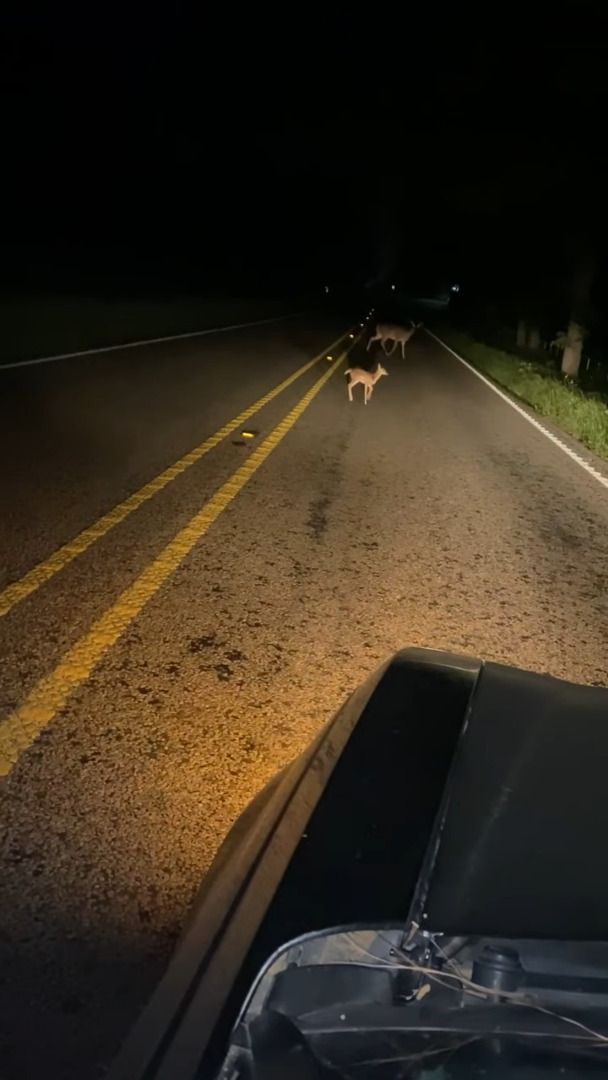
(368, 378)
(396, 334)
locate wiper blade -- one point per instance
(475, 1020)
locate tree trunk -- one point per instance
(534, 338)
(571, 359)
(580, 306)
(520, 339)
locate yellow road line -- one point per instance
(61, 558)
(24, 724)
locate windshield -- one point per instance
(379, 1003)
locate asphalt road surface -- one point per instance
(160, 668)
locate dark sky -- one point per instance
(320, 142)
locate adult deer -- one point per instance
(396, 334)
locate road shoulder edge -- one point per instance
(592, 464)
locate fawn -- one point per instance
(368, 378)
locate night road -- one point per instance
(160, 669)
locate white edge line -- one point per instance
(149, 341)
(595, 473)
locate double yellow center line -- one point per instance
(43, 571)
(24, 724)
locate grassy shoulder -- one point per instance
(32, 327)
(585, 416)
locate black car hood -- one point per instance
(468, 798)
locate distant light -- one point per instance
(330, 358)
(351, 335)
(393, 287)
(455, 288)
(327, 288)
(361, 324)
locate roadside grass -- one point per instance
(32, 327)
(583, 415)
